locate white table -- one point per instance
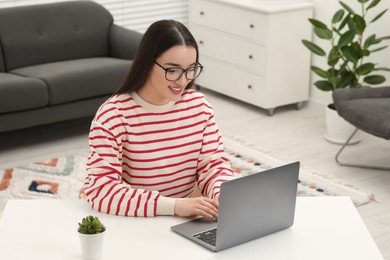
(325, 228)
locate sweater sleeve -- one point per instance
(104, 188)
(213, 166)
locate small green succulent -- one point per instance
(91, 225)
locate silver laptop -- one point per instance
(249, 207)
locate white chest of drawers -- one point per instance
(252, 50)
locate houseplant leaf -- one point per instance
(374, 79)
(314, 48)
(334, 56)
(323, 85)
(346, 38)
(320, 72)
(380, 39)
(382, 68)
(379, 49)
(359, 24)
(369, 41)
(364, 53)
(346, 7)
(356, 47)
(345, 80)
(372, 4)
(350, 54)
(317, 24)
(338, 16)
(384, 38)
(365, 69)
(378, 16)
(323, 33)
(344, 22)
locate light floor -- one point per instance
(289, 133)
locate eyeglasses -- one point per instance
(175, 73)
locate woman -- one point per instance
(155, 140)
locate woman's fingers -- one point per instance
(206, 212)
(209, 208)
(197, 206)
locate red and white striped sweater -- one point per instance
(143, 156)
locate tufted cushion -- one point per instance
(368, 109)
(53, 32)
(79, 79)
(19, 93)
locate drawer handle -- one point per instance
(201, 13)
(201, 42)
(249, 86)
(250, 57)
(251, 26)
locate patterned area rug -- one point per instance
(246, 160)
(62, 177)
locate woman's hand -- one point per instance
(201, 206)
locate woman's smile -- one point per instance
(176, 90)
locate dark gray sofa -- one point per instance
(59, 61)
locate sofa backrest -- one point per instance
(38, 34)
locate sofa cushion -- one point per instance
(19, 93)
(38, 34)
(79, 79)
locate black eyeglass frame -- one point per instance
(183, 71)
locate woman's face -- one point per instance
(158, 90)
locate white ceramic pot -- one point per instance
(337, 129)
(92, 245)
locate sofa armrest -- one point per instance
(123, 42)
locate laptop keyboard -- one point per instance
(208, 236)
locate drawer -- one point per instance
(230, 19)
(233, 82)
(230, 49)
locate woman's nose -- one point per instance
(182, 81)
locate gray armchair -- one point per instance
(368, 109)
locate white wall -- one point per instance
(323, 11)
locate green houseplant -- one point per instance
(91, 232)
(349, 47)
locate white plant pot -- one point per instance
(337, 129)
(92, 245)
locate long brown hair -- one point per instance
(158, 38)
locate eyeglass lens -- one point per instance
(176, 73)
